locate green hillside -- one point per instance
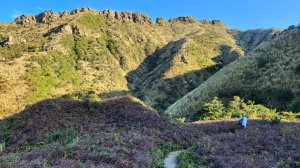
(269, 75)
(250, 39)
(108, 53)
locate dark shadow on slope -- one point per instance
(108, 95)
(250, 39)
(120, 132)
(282, 99)
(147, 81)
(153, 67)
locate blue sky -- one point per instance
(241, 14)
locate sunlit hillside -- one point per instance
(108, 53)
(269, 75)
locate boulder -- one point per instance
(161, 21)
(25, 19)
(184, 19)
(47, 17)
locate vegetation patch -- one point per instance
(92, 21)
(47, 72)
(216, 110)
(259, 145)
(120, 132)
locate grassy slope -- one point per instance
(89, 52)
(123, 132)
(179, 67)
(259, 145)
(250, 39)
(269, 75)
(120, 132)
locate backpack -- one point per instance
(240, 122)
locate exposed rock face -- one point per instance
(184, 19)
(213, 22)
(12, 40)
(133, 17)
(161, 21)
(67, 29)
(49, 16)
(25, 19)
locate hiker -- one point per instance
(243, 122)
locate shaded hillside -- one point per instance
(269, 75)
(120, 132)
(54, 54)
(250, 39)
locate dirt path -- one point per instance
(171, 159)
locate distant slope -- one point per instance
(250, 39)
(109, 53)
(269, 75)
(120, 132)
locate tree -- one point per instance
(236, 107)
(214, 110)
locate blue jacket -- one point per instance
(244, 121)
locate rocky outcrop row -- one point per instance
(49, 16)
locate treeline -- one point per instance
(216, 110)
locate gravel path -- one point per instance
(171, 159)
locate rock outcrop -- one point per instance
(49, 16)
(25, 20)
(184, 19)
(161, 21)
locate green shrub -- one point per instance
(81, 47)
(64, 137)
(5, 130)
(181, 120)
(92, 21)
(290, 116)
(54, 70)
(214, 110)
(236, 108)
(161, 152)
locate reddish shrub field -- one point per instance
(122, 132)
(261, 145)
(64, 133)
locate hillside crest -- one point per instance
(50, 16)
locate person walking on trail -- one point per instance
(243, 122)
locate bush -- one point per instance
(63, 136)
(181, 120)
(92, 21)
(54, 70)
(161, 152)
(236, 108)
(213, 110)
(289, 116)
